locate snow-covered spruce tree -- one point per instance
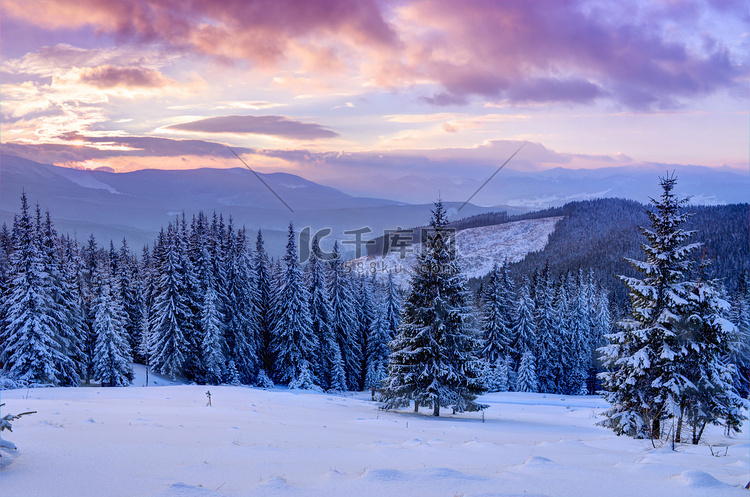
(344, 319)
(739, 349)
(646, 378)
(112, 355)
(170, 315)
(434, 361)
(378, 352)
(497, 332)
(710, 396)
(212, 326)
(525, 325)
(366, 315)
(263, 302)
(546, 337)
(526, 379)
(241, 331)
(328, 365)
(295, 344)
(580, 337)
(392, 307)
(31, 350)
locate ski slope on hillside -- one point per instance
(479, 249)
(166, 442)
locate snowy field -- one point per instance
(164, 441)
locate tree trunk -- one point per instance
(416, 406)
(678, 435)
(656, 429)
(436, 408)
(697, 438)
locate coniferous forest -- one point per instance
(205, 303)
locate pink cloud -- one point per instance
(258, 30)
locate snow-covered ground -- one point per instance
(164, 441)
(479, 249)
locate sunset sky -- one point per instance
(336, 89)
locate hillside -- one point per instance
(479, 249)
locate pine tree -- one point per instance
(112, 351)
(434, 361)
(392, 307)
(263, 302)
(328, 366)
(526, 380)
(171, 315)
(710, 396)
(497, 332)
(295, 344)
(212, 326)
(378, 352)
(525, 326)
(366, 315)
(646, 377)
(546, 336)
(241, 329)
(31, 350)
(344, 321)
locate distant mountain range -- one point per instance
(135, 205)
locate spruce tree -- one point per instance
(497, 332)
(328, 366)
(526, 380)
(112, 355)
(434, 360)
(31, 349)
(525, 326)
(344, 321)
(646, 377)
(710, 396)
(170, 315)
(295, 344)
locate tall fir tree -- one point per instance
(497, 331)
(170, 316)
(526, 380)
(112, 355)
(344, 320)
(295, 344)
(328, 365)
(710, 395)
(434, 361)
(31, 348)
(646, 372)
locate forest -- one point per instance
(205, 303)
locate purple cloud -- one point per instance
(109, 77)
(142, 146)
(259, 125)
(520, 50)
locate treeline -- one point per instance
(202, 304)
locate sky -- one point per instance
(346, 93)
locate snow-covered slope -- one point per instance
(479, 249)
(165, 442)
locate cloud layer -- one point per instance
(640, 55)
(261, 125)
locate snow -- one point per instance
(479, 248)
(165, 441)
